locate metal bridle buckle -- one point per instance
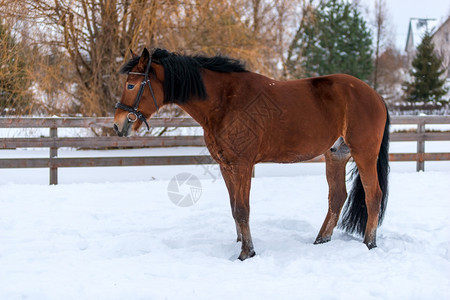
(130, 119)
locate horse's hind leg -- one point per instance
(367, 166)
(336, 160)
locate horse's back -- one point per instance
(339, 100)
(315, 112)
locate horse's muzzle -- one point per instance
(116, 129)
(125, 131)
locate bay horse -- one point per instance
(248, 118)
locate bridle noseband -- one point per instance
(134, 110)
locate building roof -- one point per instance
(443, 26)
(416, 31)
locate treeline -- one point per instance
(63, 56)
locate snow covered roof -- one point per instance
(417, 29)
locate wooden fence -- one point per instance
(53, 142)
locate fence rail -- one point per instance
(102, 142)
(53, 142)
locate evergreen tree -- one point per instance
(15, 97)
(427, 68)
(336, 41)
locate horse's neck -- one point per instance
(203, 110)
(198, 110)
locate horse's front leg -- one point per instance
(230, 187)
(238, 180)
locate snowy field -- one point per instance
(113, 233)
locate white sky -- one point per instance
(400, 11)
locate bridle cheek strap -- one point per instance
(134, 110)
(153, 96)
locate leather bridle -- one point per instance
(134, 109)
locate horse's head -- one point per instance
(142, 94)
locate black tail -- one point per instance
(354, 215)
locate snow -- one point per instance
(113, 233)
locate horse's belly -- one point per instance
(294, 146)
(297, 154)
(289, 158)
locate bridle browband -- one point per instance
(134, 110)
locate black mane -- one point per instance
(129, 65)
(183, 73)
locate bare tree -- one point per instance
(80, 44)
(299, 40)
(392, 69)
(15, 75)
(383, 35)
(83, 43)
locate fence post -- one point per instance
(53, 154)
(420, 146)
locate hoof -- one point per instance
(322, 240)
(238, 239)
(246, 254)
(371, 245)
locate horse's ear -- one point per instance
(133, 55)
(145, 56)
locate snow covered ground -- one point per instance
(113, 233)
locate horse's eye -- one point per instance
(130, 86)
